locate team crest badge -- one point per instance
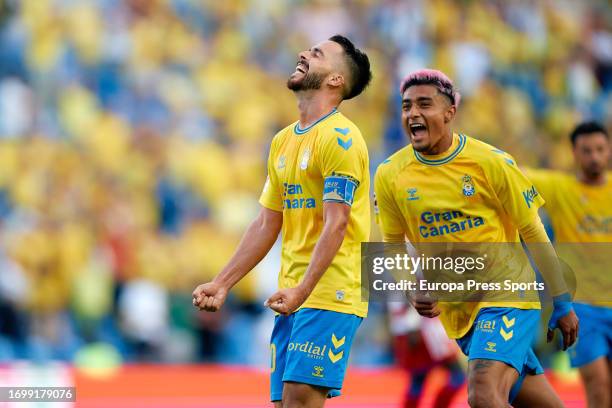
(305, 158)
(468, 186)
(340, 295)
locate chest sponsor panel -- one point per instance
(452, 204)
(301, 184)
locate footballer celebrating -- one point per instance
(443, 174)
(317, 195)
(580, 212)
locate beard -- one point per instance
(593, 170)
(308, 82)
(421, 148)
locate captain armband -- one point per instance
(339, 188)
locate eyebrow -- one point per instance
(317, 50)
(419, 99)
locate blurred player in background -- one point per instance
(420, 345)
(580, 209)
(445, 172)
(317, 195)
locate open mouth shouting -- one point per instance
(417, 131)
(301, 67)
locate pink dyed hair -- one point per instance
(432, 77)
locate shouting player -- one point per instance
(317, 195)
(448, 187)
(580, 210)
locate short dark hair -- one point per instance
(585, 128)
(358, 65)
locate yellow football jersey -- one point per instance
(327, 161)
(581, 217)
(578, 212)
(472, 193)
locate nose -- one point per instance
(413, 112)
(303, 55)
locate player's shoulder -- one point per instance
(486, 155)
(393, 164)
(284, 132)
(339, 131)
(339, 125)
(339, 119)
(281, 136)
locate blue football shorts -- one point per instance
(594, 334)
(311, 346)
(505, 334)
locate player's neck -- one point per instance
(442, 146)
(598, 180)
(313, 106)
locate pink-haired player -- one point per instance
(448, 187)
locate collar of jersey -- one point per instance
(299, 131)
(444, 160)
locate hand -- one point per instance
(426, 306)
(563, 318)
(286, 301)
(209, 296)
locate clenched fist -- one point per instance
(287, 301)
(209, 296)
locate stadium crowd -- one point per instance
(133, 139)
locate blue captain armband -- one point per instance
(339, 189)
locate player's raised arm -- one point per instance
(255, 244)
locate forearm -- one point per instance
(544, 256)
(324, 252)
(255, 244)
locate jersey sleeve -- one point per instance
(388, 216)
(343, 162)
(545, 182)
(517, 194)
(271, 196)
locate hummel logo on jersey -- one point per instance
(507, 160)
(530, 196)
(282, 161)
(343, 131)
(345, 144)
(412, 194)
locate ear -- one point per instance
(336, 80)
(450, 113)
